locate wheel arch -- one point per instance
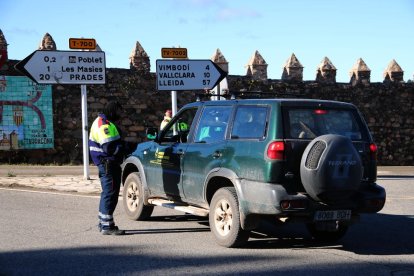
(228, 178)
(218, 179)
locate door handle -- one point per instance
(217, 154)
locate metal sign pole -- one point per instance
(174, 102)
(85, 132)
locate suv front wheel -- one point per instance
(224, 219)
(133, 198)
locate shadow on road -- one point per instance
(379, 234)
(137, 260)
(165, 230)
(376, 234)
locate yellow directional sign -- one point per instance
(82, 43)
(174, 52)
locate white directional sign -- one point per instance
(188, 74)
(64, 67)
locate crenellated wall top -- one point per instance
(256, 66)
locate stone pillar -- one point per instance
(3, 52)
(293, 70)
(139, 59)
(220, 60)
(393, 73)
(360, 73)
(257, 67)
(326, 72)
(47, 43)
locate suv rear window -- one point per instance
(309, 123)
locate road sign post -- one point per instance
(187, 74)
(85, 129)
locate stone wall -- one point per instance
(387, 108)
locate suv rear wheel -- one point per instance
(133, 199)
(224, 219)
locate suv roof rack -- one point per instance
(233, 94)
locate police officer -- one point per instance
(107, 151)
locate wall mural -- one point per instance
(26, 114)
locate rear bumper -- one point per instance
(257, 198)
(370, 199)
(263, 198)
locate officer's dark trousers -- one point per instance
(110, 182)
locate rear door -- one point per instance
(304, 122)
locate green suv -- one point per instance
(238, 161)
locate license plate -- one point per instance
(332, 215)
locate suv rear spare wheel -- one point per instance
(331, 169)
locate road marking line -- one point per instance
(47, 192)
(402, 197)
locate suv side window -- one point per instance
(179, 129)
(250, 122)
(212, 124)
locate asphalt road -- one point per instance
(28, 170)
(45, 233)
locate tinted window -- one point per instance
(249, 122)
(180, 128)
(213, 124)
(310, 123)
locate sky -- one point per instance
(377, 31)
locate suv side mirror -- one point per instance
(152, 133)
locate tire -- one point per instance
(133, 199)
(331, 169)
(224, 219)
(325, 235)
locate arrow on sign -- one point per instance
(20, 66)
(188, 74)
(64, 67)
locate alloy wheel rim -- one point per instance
(133, 197)
(223, 217)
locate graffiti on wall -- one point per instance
(26, 115)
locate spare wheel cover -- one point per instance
(331, 169)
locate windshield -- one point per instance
(309, 123)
